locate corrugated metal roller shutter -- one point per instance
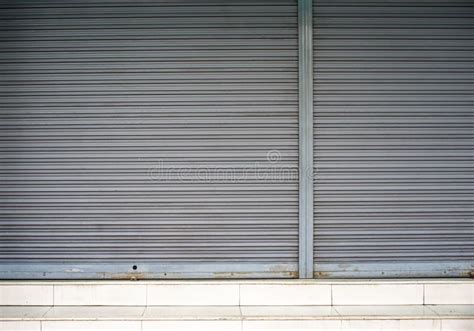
(394, 107)
(161, 134)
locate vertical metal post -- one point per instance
(305, 72)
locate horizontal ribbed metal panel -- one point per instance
(393, 153)
(155, 133)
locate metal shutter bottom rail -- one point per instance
(394, 133)
(158, 135)
(146, 270)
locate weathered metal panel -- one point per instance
(158, 134)
(144, 269)
(394, 138)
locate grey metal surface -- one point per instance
(305, 89)
(394, 137)
(123, 270)
(149, 133)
